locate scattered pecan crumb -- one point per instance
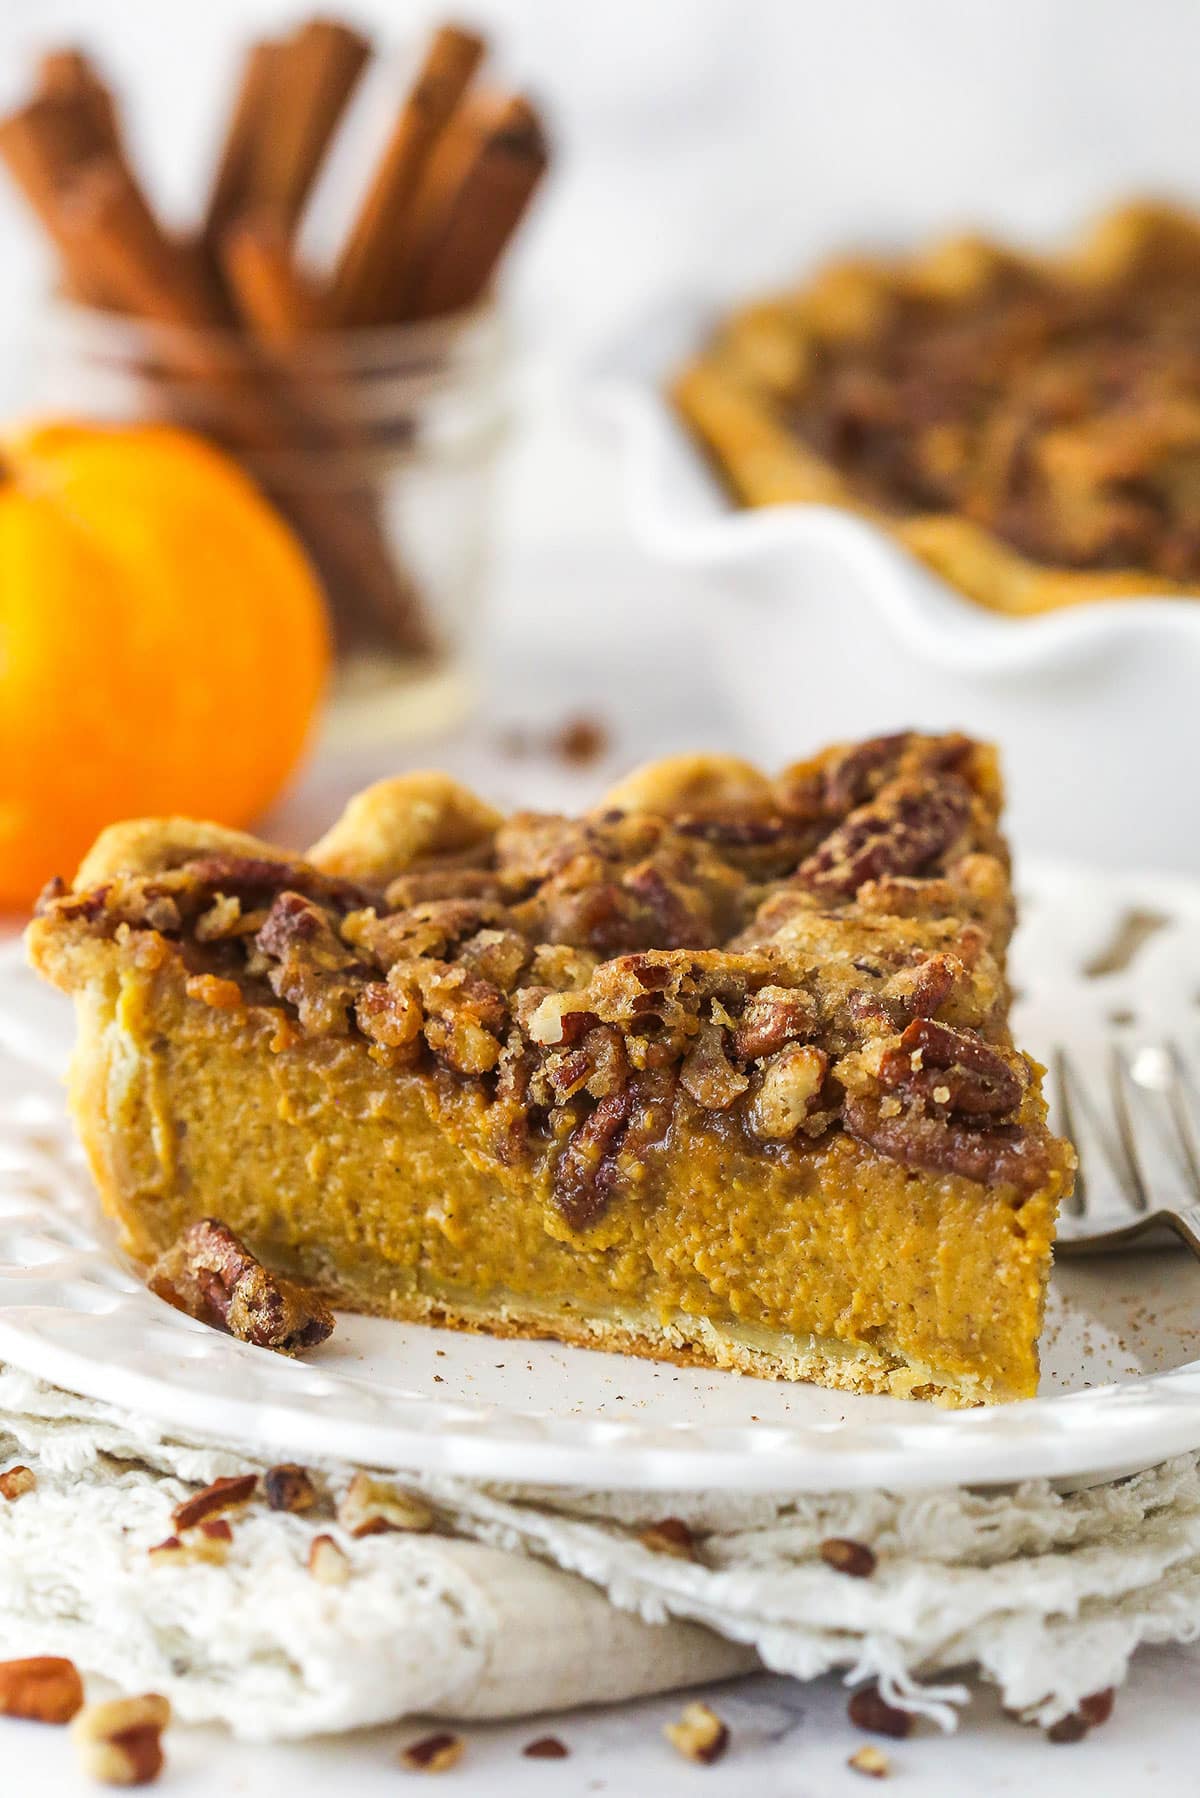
(872, 1761)
(328, 1563)
(206, 1546)
(580, 740)
(211, 1275)
(17, 1481)
(670, 1536)
(546, 1748)
(1093, 1710)
(120, 1740)
(288, 1487)
(845, 1556)
(699, 1734)
(45, 1688)
(371, 1506)
(433, 1754)
(229, 1494)
(869, 1709)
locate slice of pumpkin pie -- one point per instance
(719, 1072)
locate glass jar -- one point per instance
(380, 448)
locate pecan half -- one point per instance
(585, 1168)
(212, 1276)
(995, 1154)
(911, 823)
(869, 1709)
(952, 1070)
(45, 1688)
(857, 773)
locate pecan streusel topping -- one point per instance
(823, 954)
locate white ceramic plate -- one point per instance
(1121, 1387)
(782, 591)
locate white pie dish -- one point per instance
(1120, 1388)
(823, 628)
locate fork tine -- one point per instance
(1149, 1106)
(1105, 1186)
(1181, 1095)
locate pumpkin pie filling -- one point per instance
(719, 1072)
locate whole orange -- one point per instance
(163, 644)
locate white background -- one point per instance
(706, 147)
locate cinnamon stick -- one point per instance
(44, 144)
(249, 122)
(71, 73)
(313, 78)
(111, 226)
(368, 273)
(478, 186)
(279, 301)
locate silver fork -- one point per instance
(1135, 1125)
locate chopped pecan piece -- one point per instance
(289, 1487)
(308, 964)
(546, 1748)
(212, 1276)
(788, 1091)
(774, 1015)
(433, 1754)
(906, 828)
(845, 1556)
(327, 1563)
(707, 1073)
(952, 1070)
(15, 1482)
(44, 1688)
(1093, 1710)
(870, 1760)
(669, 1536)
(232, 1493)
(120, 1741)
(372, 1507)
(389, 1012)
(699, 1734)
(599, 1065)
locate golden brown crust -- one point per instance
(734, 397)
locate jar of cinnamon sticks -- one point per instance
(367, 398)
